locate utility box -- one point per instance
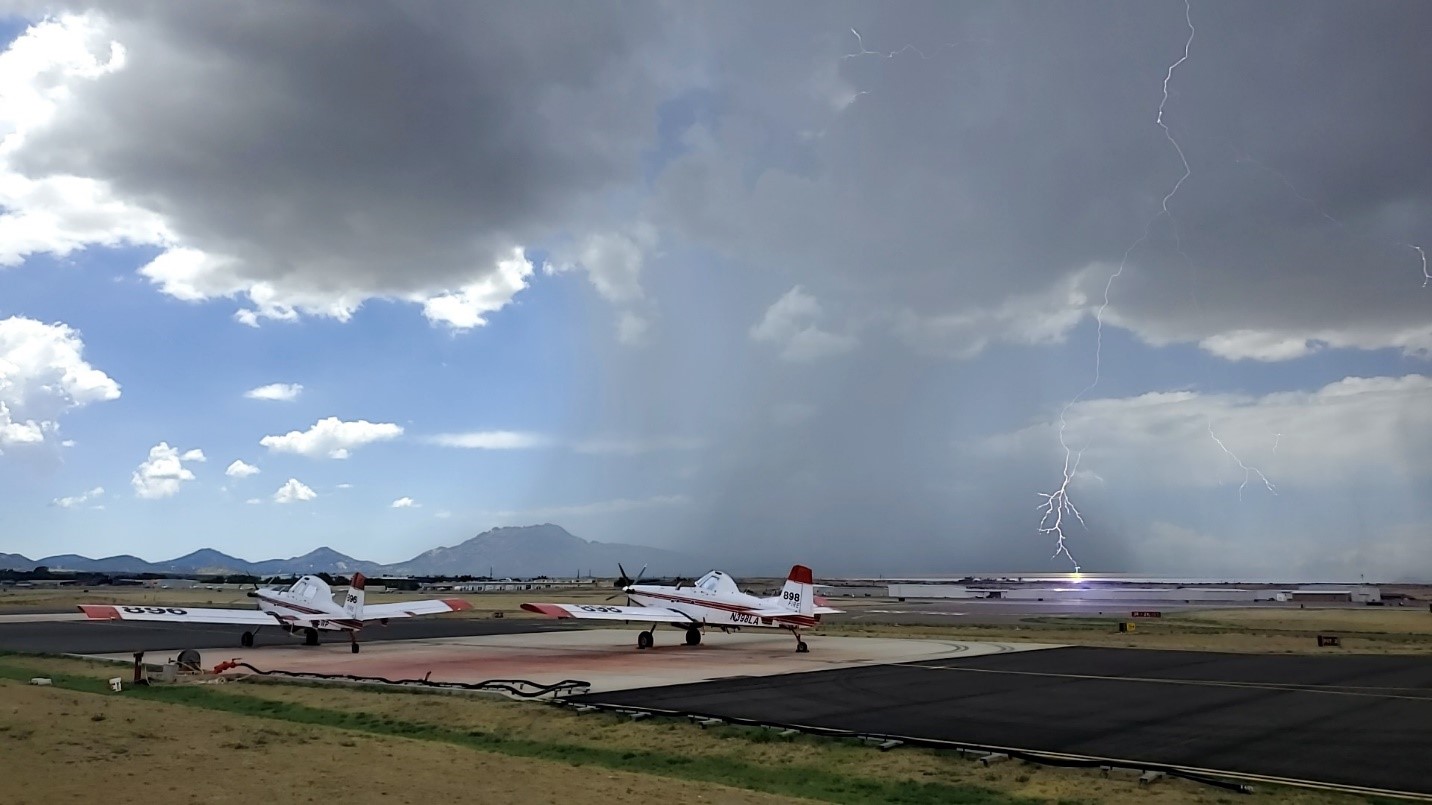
(1126, 626)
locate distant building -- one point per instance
(510, 585)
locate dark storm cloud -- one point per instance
(1013, 145)
(366, 145)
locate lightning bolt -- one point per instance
(1248, 471)
(860, 42)
(1422, 255)
(1057, 504)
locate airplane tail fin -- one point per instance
(799, 592)
(353, 604)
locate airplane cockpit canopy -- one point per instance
(307, 587)
(717, 582)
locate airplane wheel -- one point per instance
(355, 648)
(693, 637)
(247, 640)
(643, 640)
(801, 647)
(311, 636)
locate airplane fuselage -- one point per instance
(291, 613)
(722, 610)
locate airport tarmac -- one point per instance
(606, 659)
(1356, 721)
(107, 637)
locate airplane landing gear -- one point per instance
(801, 647)
(247, 640)
(310, 636)
(353, 640)
(693, 637)
(644, 640)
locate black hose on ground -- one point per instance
(516, 687)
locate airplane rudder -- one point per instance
(798, 593)
(353, 602)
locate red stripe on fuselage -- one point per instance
(795, 617)
(346, 623)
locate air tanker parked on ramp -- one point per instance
(302, 608)
(714, 601)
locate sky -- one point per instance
(930, 287)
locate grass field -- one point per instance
(66, 746)
(484, 604)
(269, 741)
(1262, 630)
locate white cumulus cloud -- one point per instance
(275, 391)
(792, 324)
(404, 503)
(239, 469)
(1351, 429)
(76, 500)
(293, 491)
(43, 375)
(469, 305)
(162, 474)
(332, 437)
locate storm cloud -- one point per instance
(862, 254)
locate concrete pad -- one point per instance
(608, 659)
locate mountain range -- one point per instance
(517, 552)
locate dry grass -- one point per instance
(1257, 630)
(1373, 620)
(484, 604)
(61, 746)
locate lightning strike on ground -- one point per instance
(1057, 503)
(1247, 470)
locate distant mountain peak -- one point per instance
(543, 549)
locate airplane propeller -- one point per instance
(626, 581)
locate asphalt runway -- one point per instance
(106, 637)
(1361, 721)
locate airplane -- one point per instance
(713, 601)
(304, 608)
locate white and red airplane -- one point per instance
(714, 601)
(303, 608)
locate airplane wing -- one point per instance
(603, 612)
(244, 617)
(408, 609)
